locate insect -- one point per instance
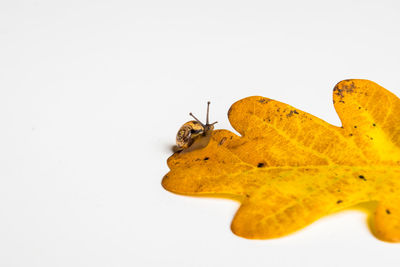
(194, 134)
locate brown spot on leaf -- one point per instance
(222, 141)
(338, 92)
(388, 211)
(229, 111)
(344, 87)
(348, 87)
(290, 114)
(264, 100)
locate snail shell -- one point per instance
(187, 133)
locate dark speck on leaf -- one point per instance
(291, 113)
(374, 124)
(388, 211)
(206, 158)
(362, 177)
(355, 126)
(339, 201)
(229, 111)
(222, 141)
(260, 165)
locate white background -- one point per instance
(92, 94)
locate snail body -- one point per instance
(193, 131)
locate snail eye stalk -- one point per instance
(191, 114)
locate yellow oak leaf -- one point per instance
(289, 168)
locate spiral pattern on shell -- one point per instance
(185, 133)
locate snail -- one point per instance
(194, 134)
